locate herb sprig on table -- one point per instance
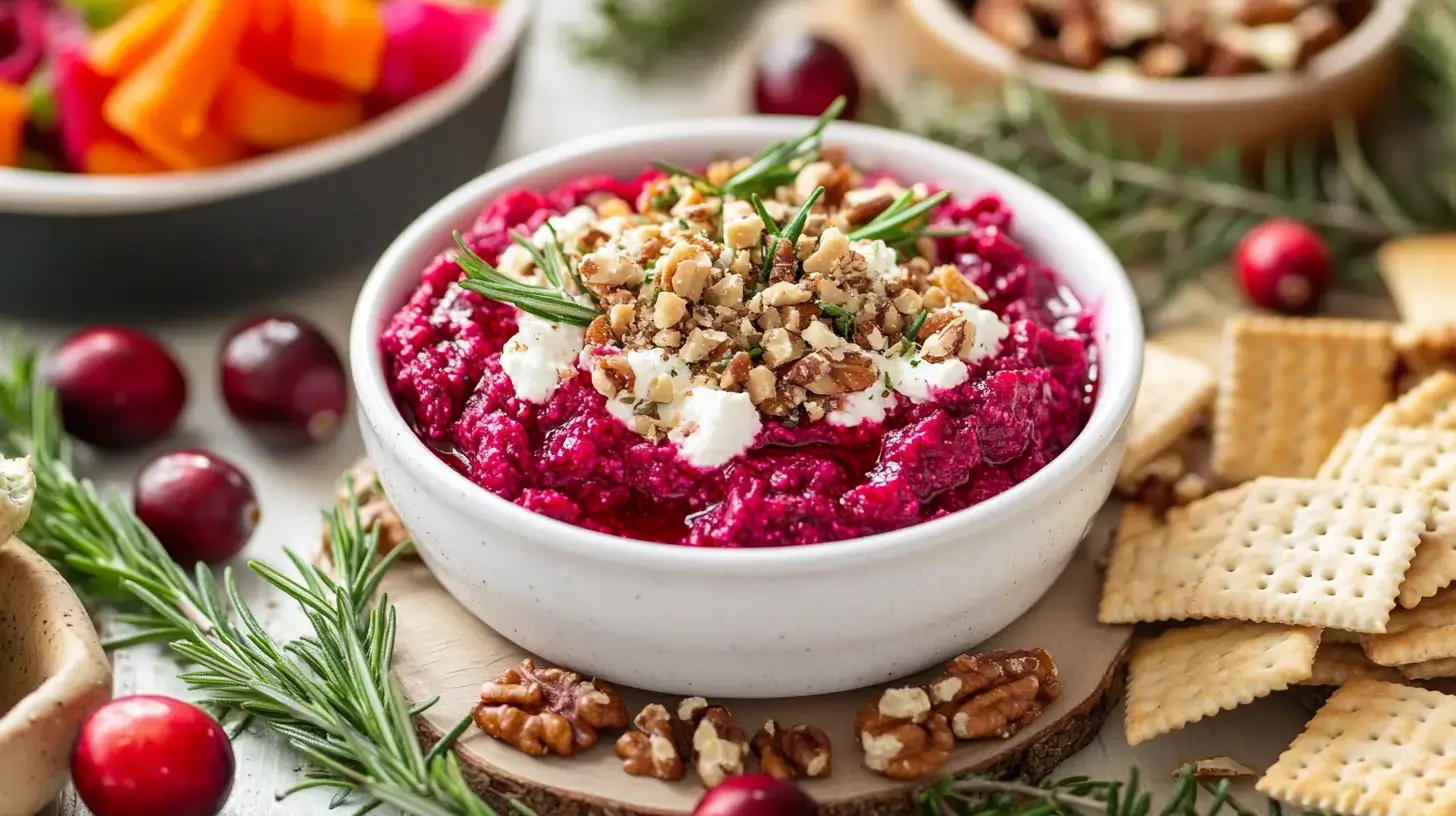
(330, 693)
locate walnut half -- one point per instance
(650, 750)
(995, 694)
(787, 754)
(706, 734)
(901, 736)
(541, 711)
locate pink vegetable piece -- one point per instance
(23, 29)
(80, 93)
(425, 45)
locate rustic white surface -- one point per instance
(555, 101)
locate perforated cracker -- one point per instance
(1313, 553)
(1175, 390)
(1431, 404)
(1185, 675)
(1420, 459)
(1427, 632)
(1289, 388)
(1153, 569)
(1430, 669)
(1336, 664)
(1334, 464)
(1375, 749)
(1417, 271)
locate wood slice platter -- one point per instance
(441, 650)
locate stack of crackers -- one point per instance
(1327, 558)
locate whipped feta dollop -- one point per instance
(540, 355)
(715, 426)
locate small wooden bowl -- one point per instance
(1250, 113)
(53, 674)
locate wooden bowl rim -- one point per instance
(1373, 38)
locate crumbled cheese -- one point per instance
(515, 262)
(540, 355)
(882, 260)
(918, 379)
(570, 227)
(869, 405)
(990, 331)
(647, 365)
(715, 426)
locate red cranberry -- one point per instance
(118, 388)
(1283, 265)
(800, 75)
(197, 504)
(755, 795)
(148, 755)
(283, 381)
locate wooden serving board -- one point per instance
(441, 650)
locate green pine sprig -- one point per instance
(331, 693)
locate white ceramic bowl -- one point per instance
(754, 622)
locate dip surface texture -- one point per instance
(787, 403)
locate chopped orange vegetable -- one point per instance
(339, 40)
(112, 158)
(270, 16)
(14, 108)
(263, 114)
(125, 44)
(163, 105)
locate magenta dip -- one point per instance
(806, 476)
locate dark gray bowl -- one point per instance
(92, 248)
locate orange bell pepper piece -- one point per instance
(269, 115)
(112, 158)
(125, 44)
(163, 105)
(14, 109)
(339, 40)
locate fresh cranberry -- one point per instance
(1283, 265)
(148, 755)
(198, 505)
(801, 75)
(284, 381)
(118, 388)
(755, 795)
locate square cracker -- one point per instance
(1427, 632)
(1420, 459)
(1431, 404)
(1430, 669)
(1289, 389)
(1312, 553)
(1174, 391)
(1375, 749)
(1334, 464)
(1153, 569)
(1185, 675)
(1417, 271)
(1336, 664)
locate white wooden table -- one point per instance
(293, 490)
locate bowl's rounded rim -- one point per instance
(377, 406)
(953, 27)
(40, 193)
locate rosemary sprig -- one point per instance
(778, 164)
(843, 320)
(1081, 796)
(330, 693)
(907, 338)
(895, 224)
(639, 37)
(556, 304)
(788, 236)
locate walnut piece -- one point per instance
(802, 750)
(552, 710)
(995, 694)
(707, 736)
(650, 749)
(902, 737)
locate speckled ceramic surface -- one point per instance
(753, 623)
(53, 674)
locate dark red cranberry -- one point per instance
(197, 504)
(755, 795)
(149, 755)
(283, 381)
(1283, 265)
(800, 75)
(118, 388)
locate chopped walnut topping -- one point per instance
(802, 750)
(760, 384)
(717, 748)
(650, 749)
(547, 710)
(668, 310)
(901, 736)
(995, 694)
